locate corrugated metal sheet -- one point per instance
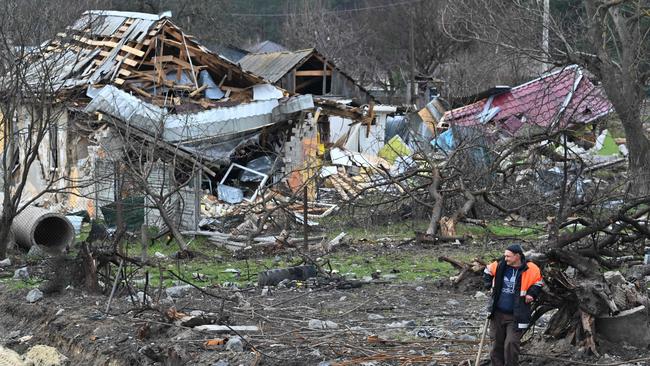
(560, 99)
(216, 122)
(274, 65)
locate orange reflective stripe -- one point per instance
(530, 277)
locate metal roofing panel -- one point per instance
(177, 127)
(127, 14)
(106, 25)
(561, 97)
(274, 65)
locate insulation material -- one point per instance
(42, 355)
(228, 194)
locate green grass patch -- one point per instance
(17, 285)
(214, 266)
(405, 266)
(499, 229)
(212, 271)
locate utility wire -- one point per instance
(328, 11)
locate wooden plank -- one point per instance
(132, 51)
(120, 58)
(370, 118)
(197, 91)
(174, 33)
(97, 43)
(233, 88)
(107, 43)
(313, 73)
(181, 45)
(126, 60)
(86, 40)
(173, 59)
(140, 91)
(171, 84)
(118, 81)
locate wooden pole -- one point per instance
(324, 91)
(412, 88)
(480, 345)
(304, 218)
(117, 278)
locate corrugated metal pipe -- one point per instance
(37, 226)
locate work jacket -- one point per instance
(528, 282)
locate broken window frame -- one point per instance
(265, 178)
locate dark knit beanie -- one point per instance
(515, 248)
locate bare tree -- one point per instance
(609, 38)
(380, 43)
(33, 111)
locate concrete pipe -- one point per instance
(37, 226)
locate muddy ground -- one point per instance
(379, 322)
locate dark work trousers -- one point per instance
(505, 339)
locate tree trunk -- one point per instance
(639, 157)
(4, 237)
(624, 98)
(90, 269)
(436, 213)
(173, 229)
(6, 219)
(622, 81)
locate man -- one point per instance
(515, 284)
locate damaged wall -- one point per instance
(183, 206)
(48, 169)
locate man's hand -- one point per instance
(529, 299)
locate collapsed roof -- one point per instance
(144, 70)
(556, 100)
(144, 54)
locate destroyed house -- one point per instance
(128, 79)
(152, 120)
(305, 72)
(556, 100)
(561, 100)
(349, 115)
